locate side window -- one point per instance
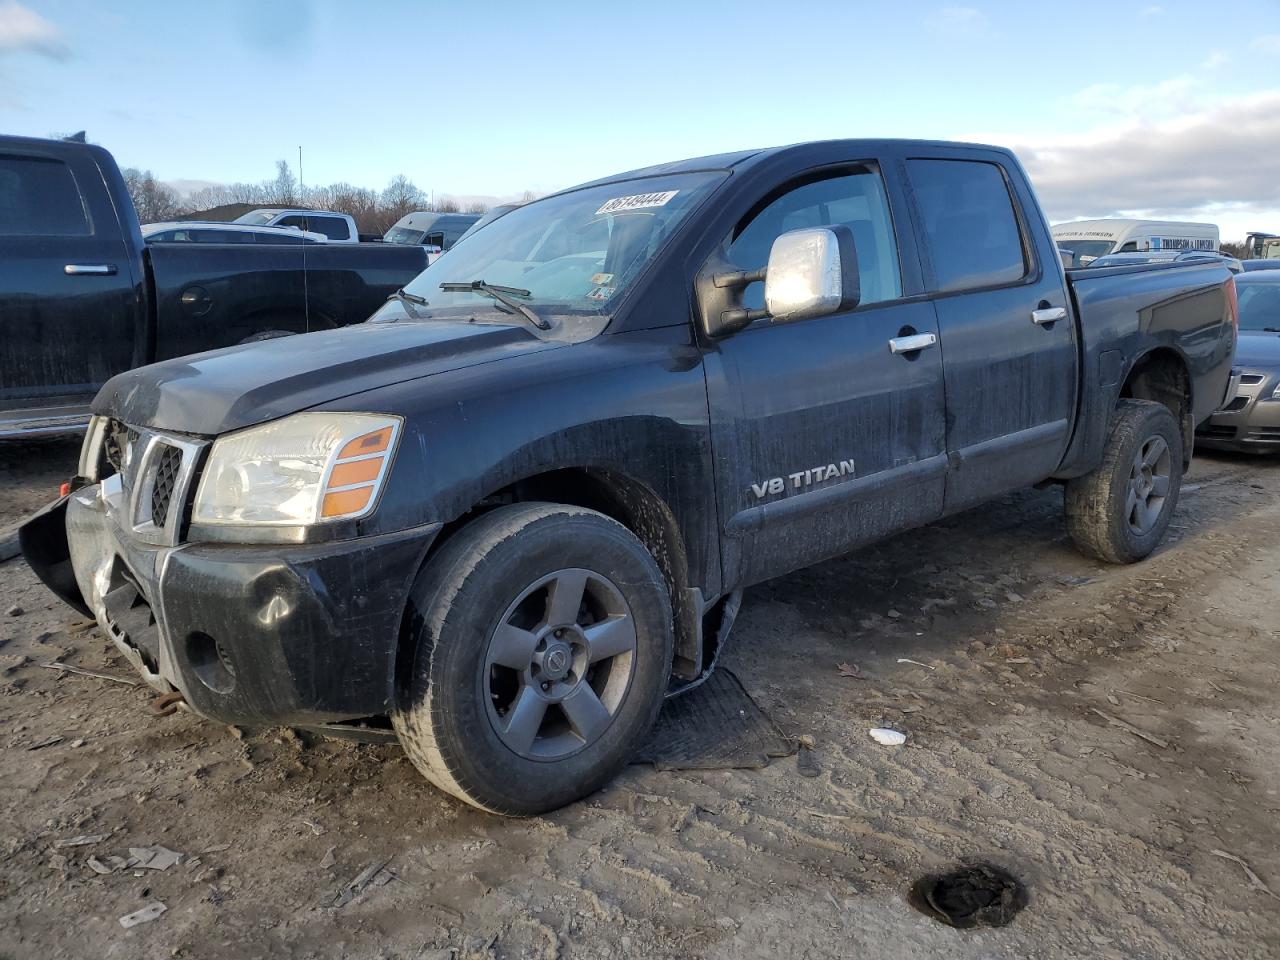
(284, 236)
(296, 220)
(39, 198)
(1130, 247)
(221, 236)
(970, 223)
(335, 228)
(856, 200)
(434, 240)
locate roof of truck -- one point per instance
(727, 161)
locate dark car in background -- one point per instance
(1251, 419)
(1167, 256)
(83, 296)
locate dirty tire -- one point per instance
(445, 716)
(267, 335)
(1100, 505)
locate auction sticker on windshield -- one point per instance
(637, 202)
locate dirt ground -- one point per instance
(1036, 671)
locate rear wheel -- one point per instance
(541, 643)
(1121, 511)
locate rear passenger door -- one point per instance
(824, 438)
(69, 303)
(1010, 369)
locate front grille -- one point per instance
(1252, 378)
(1267, 433)
(167, 466)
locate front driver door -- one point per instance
(825, 438)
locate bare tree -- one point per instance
(527, 196)
(153, 201)
(284, 188)
(477, 206)
(448, 205)
(400, 197)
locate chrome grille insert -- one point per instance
(168, 466)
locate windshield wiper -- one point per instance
(409, 299)
(1271, 329)
(504, 295)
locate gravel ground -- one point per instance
(1110, 736)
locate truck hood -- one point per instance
(222, 390)
(1257, 349)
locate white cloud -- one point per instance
(1215, 60)
(1152, 10)
(25, 31)
(1268, 43)
(1172, 97)
(1216, 163)
(956, 19)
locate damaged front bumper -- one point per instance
(248, 633)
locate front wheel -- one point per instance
(1120, 512)
(540, 643)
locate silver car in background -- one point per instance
(1251, 419)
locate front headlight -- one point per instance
(304, 469)
(1275, 394)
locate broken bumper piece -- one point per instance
(254, 634)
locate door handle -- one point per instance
(1048, 315)
(912, 344)
(90, 269)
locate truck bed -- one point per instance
(1122, 311)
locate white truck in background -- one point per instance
(1089, 239)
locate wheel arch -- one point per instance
(622, 497)
(1162, 374)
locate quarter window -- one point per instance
(969, 220)
(856, 200)
(39, 198)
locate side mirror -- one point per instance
(812, 272)
(1067, 257)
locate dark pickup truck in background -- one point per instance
(82, 297)
(506, 517)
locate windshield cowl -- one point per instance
(561, 327)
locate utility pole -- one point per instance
(301, 190)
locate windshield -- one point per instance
(257, 217)
(1259, 305)
(403, 235)
(1084, 252)
(575, 253)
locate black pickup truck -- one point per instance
(506, 517)
(83, 297)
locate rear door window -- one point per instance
(39, 198)
(856, 200)
(284, 236)
(970, 223)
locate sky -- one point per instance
(1160, 109)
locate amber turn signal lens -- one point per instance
(374, 442)
(346, 501)
(357, 471)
